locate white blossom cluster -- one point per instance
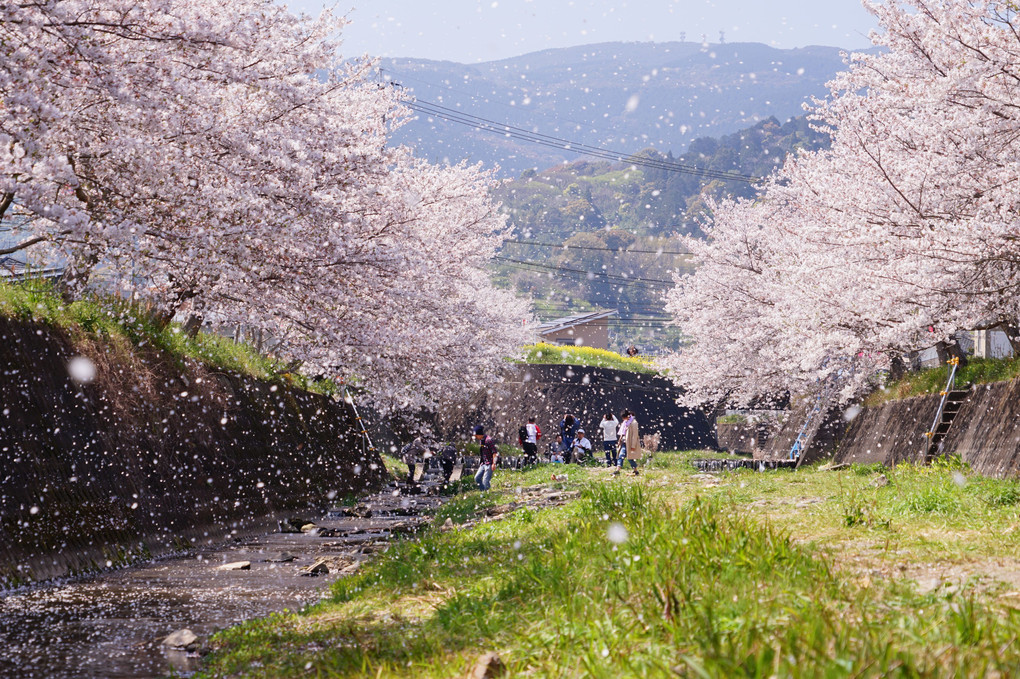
(220, 155)
(903, 232)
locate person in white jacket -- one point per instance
(609, 425)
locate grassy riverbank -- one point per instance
(126, 326)
(933, 380)
(856, 572)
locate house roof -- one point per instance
(558, 324)
(13, 269)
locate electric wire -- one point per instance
(504, 130)
(621, 251)
(600, 274)
(627, 280)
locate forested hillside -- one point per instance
(601, 234)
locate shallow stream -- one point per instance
(112, 625)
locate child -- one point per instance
(556, 453)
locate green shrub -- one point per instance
(932, 499)
(933, 380)
(111, 317)
(1003, 496)
(731, 419)
(867, 469)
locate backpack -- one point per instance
(522, 433)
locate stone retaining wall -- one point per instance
(741, 438)
(890, 433)
(985, 433)
(153, 455)
(548, 391)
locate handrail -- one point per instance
(821, 400)
(797, 448)
(950, 383)
(357, 416)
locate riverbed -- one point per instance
(111, 625)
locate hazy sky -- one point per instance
(483, 30)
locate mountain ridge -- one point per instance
(623, 96)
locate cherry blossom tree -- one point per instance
(902, 233)
(219, 156)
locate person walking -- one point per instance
(630, 443)
(609, 426)
(528, 436)
(409, 454)
(448, 458)
(489, 458)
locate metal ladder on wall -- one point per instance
(949, 405)
(815, 417)
(366, 444)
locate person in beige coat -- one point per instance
(630, 442)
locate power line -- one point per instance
(592, 247)
(582, 271)
(650, 324)
(510, 130)
(504, 130)
(446, 86)
(630, 280)
(524, 267)
(645, 308)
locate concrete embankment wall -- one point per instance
(153, 455)
(890, 433)
(549, 391)
(741, 438)
(985, 433)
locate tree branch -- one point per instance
(23, 244)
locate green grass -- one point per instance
(933, 380)
(117, 322)
(667, 575)
(543, 353)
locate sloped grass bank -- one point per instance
(552, 354)
(637, 578)
(933, 380)
(124, 325)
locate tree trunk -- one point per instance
(1012, 330)
(897, 367)
(949, 349)
(193, 325)
(77, 272)
(180, 292)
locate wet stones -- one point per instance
(235, 566)
(183, 639)
(358, 511)
(328, 564)
(320, 567)
(290, 525)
